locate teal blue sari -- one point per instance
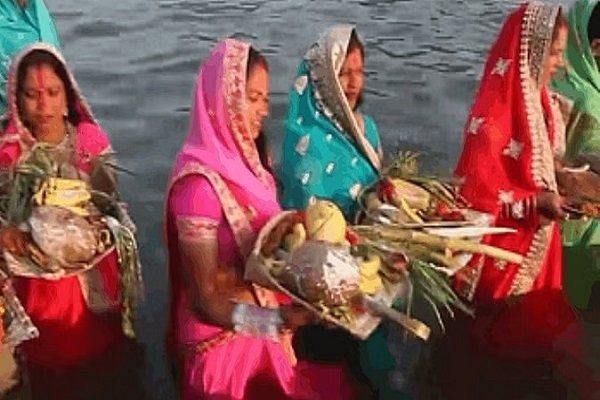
(320, 161)
(20, 27)
(326, 155)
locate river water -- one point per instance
(136, 62)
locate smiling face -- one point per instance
(352, 77)
(257, 99)
(42, 100)
(554, 61)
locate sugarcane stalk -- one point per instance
(442, 243)
(414, 326)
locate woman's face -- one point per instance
(555, 60)
(352, 77)
(42, 100)
(257, 99)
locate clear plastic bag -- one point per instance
(63, 235)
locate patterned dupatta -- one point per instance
(325, 59)
(510, 138)
(16, 131)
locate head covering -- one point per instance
(20, 27)
(508, 151)
(325, 60)
(218, 137)
(324, 152)
(581, 83)
(16, 131)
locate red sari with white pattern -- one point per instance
(513, 132)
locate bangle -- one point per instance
(256, 321)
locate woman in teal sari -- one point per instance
(581, 83)
(22, 22)
(331, 151)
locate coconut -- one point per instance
(325, 222)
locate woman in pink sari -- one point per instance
(226, 334)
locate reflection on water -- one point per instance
(136, 61)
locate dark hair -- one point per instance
(43, 57)
(262, 146)
(355, 44)
(594, 24)
(560, 23)
(255, 59)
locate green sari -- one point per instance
(20, 27)
(581, 83)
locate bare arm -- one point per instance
(213, 288)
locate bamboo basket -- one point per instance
(363, 323)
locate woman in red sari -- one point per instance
(507, 167)
(81, 347)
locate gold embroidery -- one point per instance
(220, 339)
(234, 89)
(535, 39)
(193, 228)
(532, 264)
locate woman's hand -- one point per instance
(14, 240)
(549, 205)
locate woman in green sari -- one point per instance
(581, 83)
(22, 22)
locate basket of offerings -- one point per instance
(425, 223)
(68, 231)
(312, 257)
(581, 188)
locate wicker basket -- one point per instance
(364, 323)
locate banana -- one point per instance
(370, 281)
(294, 239)
(71, 194)
(416, 197)
(409, 211)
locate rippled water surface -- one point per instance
(136, 61)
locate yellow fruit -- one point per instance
(71, 194)
(325, 222)
(410, 213)
(370, 285)
(294, 239)
(370, 266)
(415, 196)
(370, 281)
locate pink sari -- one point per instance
(72, 330)
(220, 189)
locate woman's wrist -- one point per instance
(255, 320)
(521, 209)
